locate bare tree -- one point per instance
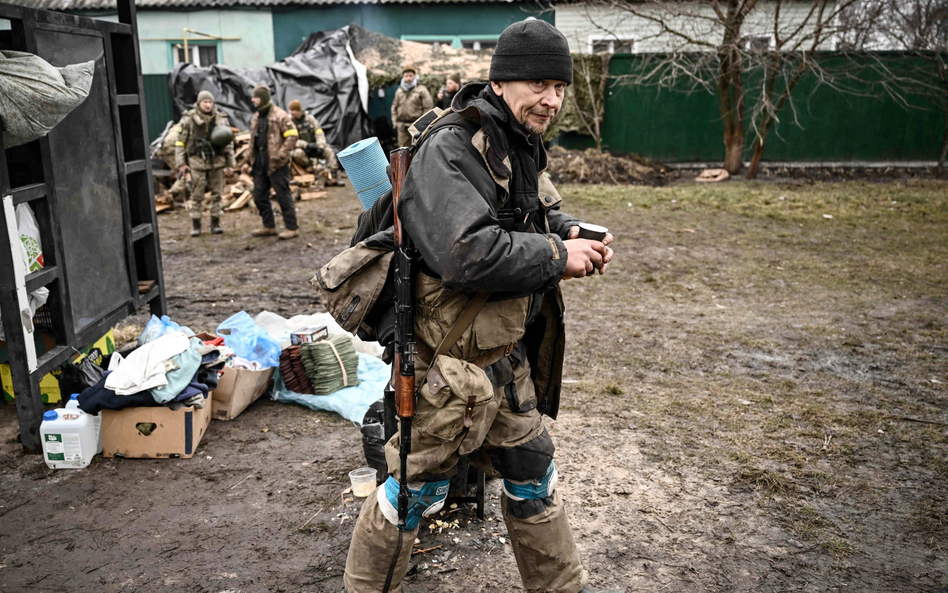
(917, 27)
(587, 98)
(718, 45)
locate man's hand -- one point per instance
(228, 171)
(245, 168)
(183, 169)
(584, 256)
(606, 253)
(440, 94)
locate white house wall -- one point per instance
(581, 23)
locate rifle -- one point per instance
(404, 359)
(404, 332)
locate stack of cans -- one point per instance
(293, 371)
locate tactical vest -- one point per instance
(307, 133)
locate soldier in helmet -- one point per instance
(312, 145)
(205, 148)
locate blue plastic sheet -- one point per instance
(158, 327)
(249, 340)
(350, 402)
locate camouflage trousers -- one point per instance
(303, 160)
(179, 183)
(404, 136)
(202, 181)
(511, 442)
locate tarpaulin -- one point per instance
(323, 76)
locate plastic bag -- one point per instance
(35, 96)
(158, 327)
(31, 252)
(76, 377)
(248, 340)
(373, 438)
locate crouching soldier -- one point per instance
(312, 145)
(205, 146)
(167, 154)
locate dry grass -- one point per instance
(789, 339)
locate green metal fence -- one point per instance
(158, 107)
(673, 126)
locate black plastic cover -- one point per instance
(320, 74)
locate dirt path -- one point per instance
(755, 401)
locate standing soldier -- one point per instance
(486, 220)
(446, 93)
(208, 153)
(412, 100)
(272, 137)
(312, 144)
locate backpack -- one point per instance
(357, 286)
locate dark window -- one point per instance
(479, 44)
(198, 54)
(612, 46)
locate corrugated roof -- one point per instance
(154, 4)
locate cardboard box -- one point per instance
(49, 385)
(237, 389)
(176, 434)
(313, 333)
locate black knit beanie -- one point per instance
(531, 50)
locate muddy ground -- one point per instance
(755, 400)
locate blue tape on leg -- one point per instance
(424, 501)
(533, 490)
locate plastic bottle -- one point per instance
(73, 404)
(68, 437)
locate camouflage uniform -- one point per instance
(207, 164)
(311, 135)
(166, 153)
(407, 107)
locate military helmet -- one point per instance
(221, 136)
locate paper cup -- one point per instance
(593, 232)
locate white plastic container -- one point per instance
(73, 404)
(69, 440)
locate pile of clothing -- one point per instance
(173, 370)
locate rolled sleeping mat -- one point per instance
(365, 164)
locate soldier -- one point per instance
(166, 153)
(412, 100)
(208, 164)
(272, 137)
(485, 219)
(312, 145)
(447, 92)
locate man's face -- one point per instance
(255, 101)
(533, 102)
(451, 86)
(207, 105)
(296, 113)
(409, 77)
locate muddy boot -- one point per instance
(288, 234)
(216, 226)
(264, 232)
(195, 227)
